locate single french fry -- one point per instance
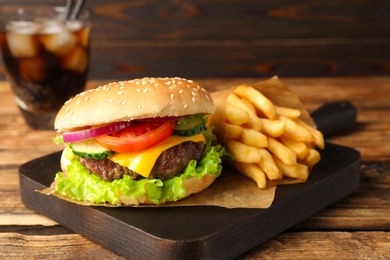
(296, 171)
(274, 128)
(299, 148)
(282, 152)
(232, 131)
(242, 152)
(268, 165)
(296, 132)
(252, 171)
(258, 99)
(288, 112)
(234, 100)
(317, 135)
(248, 104)
(254, 122)
(236, 115)
(253, 138)
(312, 158)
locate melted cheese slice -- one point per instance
(143, 162)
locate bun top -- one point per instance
(134, 99)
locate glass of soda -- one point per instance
(46, 58)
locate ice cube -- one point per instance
(76, 60)
(57, 39)
(33, 69)
(80, 30)
(83, 37)
(22, 27)
(22, 45)
(73, 25)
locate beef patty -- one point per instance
(169, 164)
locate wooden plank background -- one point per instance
(237, 38)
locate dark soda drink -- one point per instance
(46, 61)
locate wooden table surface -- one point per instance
(356, 227)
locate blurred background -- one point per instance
(236, 38)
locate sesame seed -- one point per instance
(86, 99)
(110, 100)
(193, 93)
(137, 83)
(190, 81)
(207, 97)
(67, 110)
(146, 90)
(120, 92)
(168, 83)
(185, 105)
(78, 102)
(156, 85)
(181, 91)
(172, 96)
(124, 102)
(193, 100)
(138, 90)
(139, 106)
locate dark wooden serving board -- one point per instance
(196, 232)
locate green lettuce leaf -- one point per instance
(80, 185)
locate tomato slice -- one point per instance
(137, 137)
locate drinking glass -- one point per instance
(46, 58)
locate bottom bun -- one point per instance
(191, 184)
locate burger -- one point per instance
(142, 141)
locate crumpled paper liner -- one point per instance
(231, 189)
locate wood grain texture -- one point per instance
(355, 228)
(321, 245)
(234, 38)
(289, 245)
(64, 246)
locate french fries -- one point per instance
(260, 102)
(282, 152)
(242, 152)
(253, 138)
(254, 172)
(235, 115)
(268, 141)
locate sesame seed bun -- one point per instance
(134, 99)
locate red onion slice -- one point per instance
(77, 136)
